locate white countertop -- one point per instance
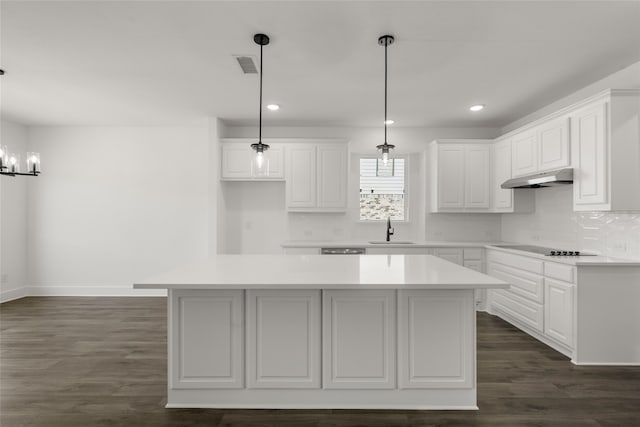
(321, 272)
(595, 261)
(366, 244)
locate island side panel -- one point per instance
(438, 327)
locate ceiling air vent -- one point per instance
(247, 63)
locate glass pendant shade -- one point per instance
(14, 163)
(33, 162)
(260, 165)
(4, 157)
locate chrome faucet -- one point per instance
(389, 229)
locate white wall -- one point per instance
(13, 218)
(115, 204)
(555, 224)
(257, 221)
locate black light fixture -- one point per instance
(385, 41)
(10, 162)
(260, 164)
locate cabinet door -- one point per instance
(301, 176)
(590, 149)
(206, 339)
(477, 171)
(503, 198)
(332, 176)
(359, 340)
(450, 254)
(451, 174)
(553, 145)
(275, 154)
(283, 339)
(236, 161)
(558, 311)
(436, 341)
(524, 154)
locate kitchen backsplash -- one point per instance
(554, 223)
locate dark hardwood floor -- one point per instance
(102, 361)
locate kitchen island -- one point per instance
(312, 331)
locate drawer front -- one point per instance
(518, 308)
(521, 262)
(523, 283)
(472, 253)
(563, 272)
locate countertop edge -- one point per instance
(587, 261)
(312, 286)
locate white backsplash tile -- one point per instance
(554, 223)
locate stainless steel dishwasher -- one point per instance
(343, 251)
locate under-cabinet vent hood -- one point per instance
(544, 179)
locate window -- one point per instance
(382, 189)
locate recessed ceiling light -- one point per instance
(389, 122)
(273, 107)
(476, 107)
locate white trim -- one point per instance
(13, 294)
(604, 363)
(322, 406)
(99, 291)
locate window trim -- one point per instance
(407, 165)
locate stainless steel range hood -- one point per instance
(544, 179)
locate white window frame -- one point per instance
(406, 190)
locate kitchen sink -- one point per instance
(393, 242)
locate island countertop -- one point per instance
(321, 272)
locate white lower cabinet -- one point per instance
(455, 255)
(209, 328)
(558, 311)
(436, 331)
(359, 339)
(283, 339)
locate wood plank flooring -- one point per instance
(102, 362)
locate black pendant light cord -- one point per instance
(260, 122)
(386, 46)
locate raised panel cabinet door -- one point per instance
(436, 339)
(553, 145)
(300, 170)
(359, 341)
(451, 175)
(283, 338)
(236, 161)
(524, 153)
(503, 198)
(206, 346)
(478, 176)
(455, 255)
(275, 154)
(332, 176)
(590, 150)
(558, 311)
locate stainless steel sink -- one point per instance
(393, 242)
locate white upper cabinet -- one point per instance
(553, 145)
(524, 154)
(316, 177)
(236, 158)
(605, 139)
(460, 176)
(502, 198)
(542, 148)
(478, 175)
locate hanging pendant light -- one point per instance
(386, 147)
(260, 163)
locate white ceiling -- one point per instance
(153, 62)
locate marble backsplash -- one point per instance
(554, 223)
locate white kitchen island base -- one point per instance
(408, 345)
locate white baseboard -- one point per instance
(93, 291)
(7, 296)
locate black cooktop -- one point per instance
(544, 250)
